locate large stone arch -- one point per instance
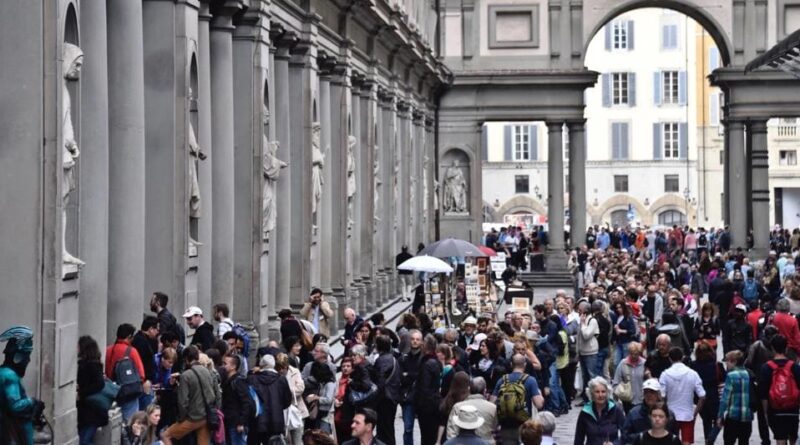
(673, 202)
(618, 202)
(521, 203)
(708, 13)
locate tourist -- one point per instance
(659, 360)
(468, 421)
(587, 343)
(706, 327)
(196, 388)
(318, 392)
(152, 432)
(601, 420)
(739, 334)
(458, 392)
(342, 417)
(129, 403)
(680, 384)
(410, 363)
(658, 433)
(203, 336)
(735, 413)
(712, 374)
(787, 327)
(237, 406)
(134, 431)
(221, 314)
(164, 380)
(625, 330)
(547, 420)
(505, 390)
(90, 381)
(387, 377)
(631, 372)
(318, 312)
(363, 428)
(427, 396)
(758, 355)
(781, 406)
(146, 344)
(485, 409)
(638, 419)
(274, 392)
(166, 321)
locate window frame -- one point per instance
(787, 158)
(520, 136)
(617, 89)
(670, 87)
(517, 189)
(668, 180)
(673, 151)
(619, 35)
(617, 187)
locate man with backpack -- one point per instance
(779, 393)
(124, 366)
(166, 321)
(222, 317)
(146, 344)
(751, 290)
(237, 406)
(514, 395)
(787, 326)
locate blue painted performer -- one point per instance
(17, 410)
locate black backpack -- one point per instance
(127, 377)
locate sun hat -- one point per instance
(467, 418)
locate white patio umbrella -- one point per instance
(425, 263)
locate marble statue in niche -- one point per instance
(317, 164)
(425, 164)
(395, 188)
(73, 60)
(436, 195)
(351, 178)
(196, 155)
(455, 190)
(376, 174)
(412, 196)
(271, 168)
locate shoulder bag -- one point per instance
(213, 416)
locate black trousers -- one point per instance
(387, 413)
(428, 418)
(763, 425)
(737, 431)
(567, 377)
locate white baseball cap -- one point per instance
(192, 311)
(476, 342)
(652, 385)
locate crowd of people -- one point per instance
(634, 346)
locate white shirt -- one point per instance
(225, 326)
(679, 384)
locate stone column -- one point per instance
(402, 149)
(283, 125)
(222, 255)
(126, 231)
(760, 187)
(324, 223)
(388, 229)
(354, 214)
(556, 258)
(367, 188)
(577, 182)
(419, 155)
(204, 169)
(250, 65)
(737, 185)
(336, 164)
(94, 172)
(303, 86)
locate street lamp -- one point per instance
(536, 192)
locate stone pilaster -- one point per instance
(324, 218)
(556, 259)
(367, 187)
(336, 164)
(126, 141)
(577, 182)
(303, 86)
(432, 199)
(760, 187)
(283, 40)
(417, 165)
(222, 128)
(737, 185)
(94, 173)
(402, 153)
(204, 169)
(388, 226)
(354, 213)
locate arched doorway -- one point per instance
(671, 218)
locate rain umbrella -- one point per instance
(425, 263)
(488, 251)
(452, 247)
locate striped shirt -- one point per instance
(735, 401)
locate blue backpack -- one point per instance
(750, 290)
(242, 333)
(256, 401)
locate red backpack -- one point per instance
(783, 391)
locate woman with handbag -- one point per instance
(629, 378)
(90, 382)
(297, 411)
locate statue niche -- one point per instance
(455, 199)
(73, 60)
(196, 155)
(317, 164)
(351, 178)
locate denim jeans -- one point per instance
(588, 367)
(86, 434)
(235, 438)
(557, 400)
(600, 362)
(621, 353)
(145, 400)
(129, 408)
(408, 423)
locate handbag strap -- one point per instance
(394, 368)
(200, 384)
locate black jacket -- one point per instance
(386, 374)
(428, 385)
(90, 381)
(273, 391)
(409, 367)
(236, 402)
(168, 323)
(204, 337)
(147, 351)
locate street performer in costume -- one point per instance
(17, 410)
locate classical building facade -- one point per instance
(237, 151)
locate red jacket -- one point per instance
(116, 352)
(752, 319)
(787, 326)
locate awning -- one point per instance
(785, 55)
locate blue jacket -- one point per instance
(15, 405)
(638, 420)
(594, 429)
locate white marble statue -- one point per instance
(73, 60)
(425, 164)
(455, 190)
(412, 199)
(351, 178)
(376, 174)
(271, 168)
(317, 164)
(396, 189)
(436, 195)
(195, 154)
